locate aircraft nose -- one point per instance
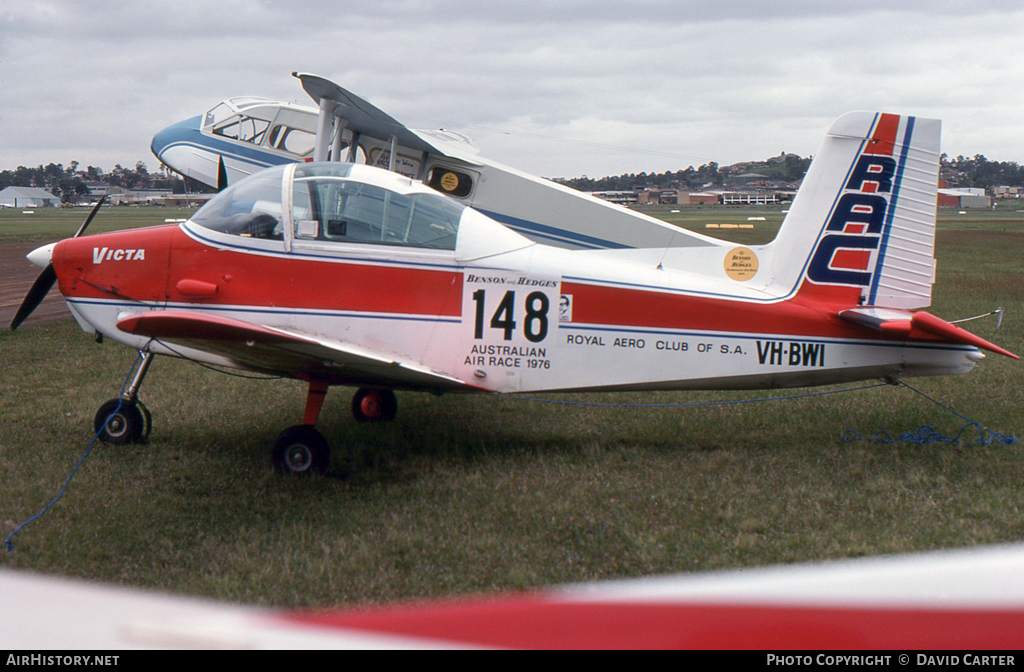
(174, 134)
(41, 256)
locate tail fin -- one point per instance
(861, 230)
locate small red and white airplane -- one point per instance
(341, 273)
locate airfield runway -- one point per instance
(16, 277)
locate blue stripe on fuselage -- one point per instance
(188, 133)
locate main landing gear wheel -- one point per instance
(374, 405)
(301, 451)
(123, 425)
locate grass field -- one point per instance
(46, 225)
(481, 494)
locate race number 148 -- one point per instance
(535, 318)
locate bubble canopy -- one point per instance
(334, 202)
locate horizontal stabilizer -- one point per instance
(951, 332)
(907, 323)
(264, 348)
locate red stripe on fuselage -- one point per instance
(246, 279)
(310, 284)
(594, 304)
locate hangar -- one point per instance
(27, 197)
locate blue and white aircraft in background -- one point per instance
(244, 135)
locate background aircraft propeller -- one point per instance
(41, 287)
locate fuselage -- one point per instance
(496, 310)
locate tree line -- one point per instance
(980, 172)
(961, 171)
(68, 183)
(71, 182)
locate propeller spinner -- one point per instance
(41, 287)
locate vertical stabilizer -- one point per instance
(861, 229)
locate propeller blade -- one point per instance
(88, 220)
(44, 283)
(222, 175)
(40, 288)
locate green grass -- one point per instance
(50, 224)
(467, 494)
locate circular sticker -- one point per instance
(449, 181)
(740, 264)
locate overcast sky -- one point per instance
(559, 89)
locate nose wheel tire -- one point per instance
(374, 405)
(124, 425)
(301, 451)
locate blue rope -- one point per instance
(923, 436)
(7, 542)
(698, 403)
(927, 435)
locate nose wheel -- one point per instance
(125, 419)
(121, 422)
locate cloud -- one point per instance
(726, 81)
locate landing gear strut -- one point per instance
(301, 450)
(125, 419)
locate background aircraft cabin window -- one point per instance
(217, 114)
(250, 208)
(340, 210)
(243, 128)
(292, 140)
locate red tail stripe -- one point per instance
(884, 138)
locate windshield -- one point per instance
(250, 208)
(328, 204)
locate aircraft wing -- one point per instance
(269, 349)
(365, 118)
(362, 116)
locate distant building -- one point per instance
(964, 198)
(27, 197)
(185, 200)
(748, 179)
(620, 197)
(703, 198)
(98, 189)
(749, 198)
(659, 196)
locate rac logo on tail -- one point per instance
(101, 254)
(854, 231)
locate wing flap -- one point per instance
(269, 349)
